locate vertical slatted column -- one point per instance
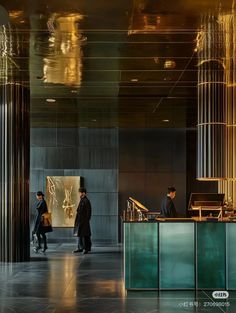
(14, 151)
(228, 187)
(211, 102)
(14, 173)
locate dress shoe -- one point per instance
(86, 251)
(36, 250)
(44, 250)
(77, 250)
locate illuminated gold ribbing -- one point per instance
(211, 123)
(212, 82)
(211, 105)
(211, 179)
(228, 22)
(211, 60)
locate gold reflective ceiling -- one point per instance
(110, 63)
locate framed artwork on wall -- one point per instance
(62, 199)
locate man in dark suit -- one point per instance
(167, 205)
(82, 223)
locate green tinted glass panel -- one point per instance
(141, 255)
(177, 255)
(210, 255)
(231, 255)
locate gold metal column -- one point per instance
(211, 101)
(228, 22)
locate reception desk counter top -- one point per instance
(180, 254)
(184, 220)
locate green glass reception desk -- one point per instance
(180, 255)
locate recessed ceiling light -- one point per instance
(169, 64)
(166, 121)
(134, 79)
(50, 100)
(94, 120)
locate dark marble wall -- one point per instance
(150, 160)
(116, 164)
(90, 153)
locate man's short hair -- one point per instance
(171, 189)
(82, 190)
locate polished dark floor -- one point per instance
(62, 282)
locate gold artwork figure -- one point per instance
(67, 204)
(62, 197)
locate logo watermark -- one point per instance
(220, 294)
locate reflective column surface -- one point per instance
(60, 282)
(14, 172)
(14, 147)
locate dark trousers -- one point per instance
(84, 242)
(39, 234)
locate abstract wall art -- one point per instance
(62, 198)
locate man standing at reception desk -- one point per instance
(167, 205)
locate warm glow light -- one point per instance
(211, 154)
(50, 100)
(15, 14)
(212, 123)
(169, 64)
(212, 60)
(211, 82)
(64, 63)
(211, 179)
(228, 22)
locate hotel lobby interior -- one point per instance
(124, 98)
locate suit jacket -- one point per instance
(168, 207)
(84, 211)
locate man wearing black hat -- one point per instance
(167, 205)
(82, 226)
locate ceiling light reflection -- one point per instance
(169, 64)
(16, 14)
(50, 100)
(63, 283)
(63, 65)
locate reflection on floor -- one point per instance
(60, 282)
